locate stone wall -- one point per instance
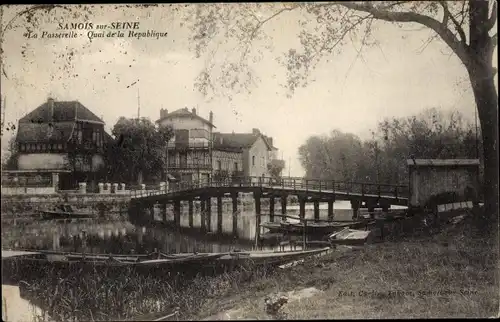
(107, 206)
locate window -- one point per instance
(253, 160)
(219, 165)
(183, 160)
(79, 137)
(236, 166)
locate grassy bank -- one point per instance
(449, 274)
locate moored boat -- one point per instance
(264, 258)
(64, 211)
(352, 237)
(273, 227)
(321, 228)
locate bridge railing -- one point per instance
(291, 183)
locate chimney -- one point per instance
(50, 103)
(255, 131)
(76, 110)
(163, 112)
(211, 117)
(193, 111)
(270, 140)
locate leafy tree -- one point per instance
(466, 27)
(333, 157)
(140, 149)
(382, 159)
(9, 159)
(275, 167)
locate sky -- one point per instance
(394, 79)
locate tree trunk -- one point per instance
(486, 97)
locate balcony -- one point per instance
(188, 145)
(190, 166)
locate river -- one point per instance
(125, 238)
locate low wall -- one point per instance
(28, 190)
(107, 206)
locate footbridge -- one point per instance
(369, 195)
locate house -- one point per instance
(249, 152)
(197, 152)
(189, 152)
(62, 137)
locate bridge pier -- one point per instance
(177, 213)
(355, 204)
(271, 209)
(163, 207)
(190, 214)
(203, 221)
(371, 211)
(234, 198)
(316, 210)
(209, 213)
(330, 210)
(302, 207)
(283, 206)
(256, 197)
(219, 214)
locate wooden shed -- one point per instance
(452, 180)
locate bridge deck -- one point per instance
(394, 194)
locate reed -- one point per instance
(105, 295)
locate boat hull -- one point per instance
(53, 215)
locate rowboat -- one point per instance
(273, 227)
(312, 228)
(264, 258)
(353, 237)
(321, 228)
(67, 259)
(64, 211)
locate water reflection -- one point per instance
(111, 238)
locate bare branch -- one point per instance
(493, 18)
(260, 24)
(458, 26)
(391, 16)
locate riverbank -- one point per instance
(451, 274)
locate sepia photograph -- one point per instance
(249, 161)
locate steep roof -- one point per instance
(44, 132)
(236, 141)
(64, 111)
(184, 112)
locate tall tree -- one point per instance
(139, 150)
(466, 27)
(382, 159)
(275, 167)
(9, 158)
